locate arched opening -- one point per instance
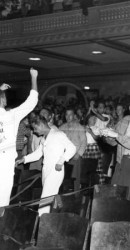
(63, 89)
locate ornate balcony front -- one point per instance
(67, 26)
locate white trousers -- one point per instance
(51, 185)
(7, 163)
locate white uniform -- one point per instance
(57, 148)
(9, 123)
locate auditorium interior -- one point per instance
(81, 50)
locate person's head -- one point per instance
(120, 109)
(40, 126)
(3, 100)
(101, 107)
(91, 120)
(70, 115)
(32, 115)
(26, 121)
(108, 110)
(47, 114)
(79, 112)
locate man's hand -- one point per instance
(76, 156)
(5, 86)
(92, 104)
(20, 161)
(33, 72)
(58, 167)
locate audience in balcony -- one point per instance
(19, 8)
(10, 9)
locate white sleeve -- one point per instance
(35, 156)
(26, 107)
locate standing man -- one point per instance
(9, 123)
(76, 133)
(57, 149)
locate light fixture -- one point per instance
(34, 59)
(97, 52)
(86, 87)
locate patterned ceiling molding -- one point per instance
(65, 27)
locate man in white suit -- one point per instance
(9, 123)
(57, 149)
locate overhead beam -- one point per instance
(13, 65)
(115, 45)
(17, 65)
(58, 56)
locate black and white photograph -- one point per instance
(64, 125)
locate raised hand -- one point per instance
(92, 104)
(33, 72)
(5, 86)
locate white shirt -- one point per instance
(90, 139)
(57, 148)
(9, 121)
(102, 124)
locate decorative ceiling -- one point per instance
(68, 44)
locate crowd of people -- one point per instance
(88, 129)
(10, 9)
(87, 145)
(20, 8)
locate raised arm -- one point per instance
(101, 117)
(35, 156)
(34, 75)
(32, 100)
